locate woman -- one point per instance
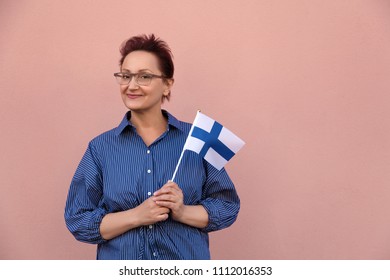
(121, 198)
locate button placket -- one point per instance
(149, 178)
(149, 170)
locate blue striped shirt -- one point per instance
(118, 172)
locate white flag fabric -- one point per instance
(214, 142)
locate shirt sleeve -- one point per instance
(84, 209)
(221, 200)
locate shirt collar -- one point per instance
(172, 121)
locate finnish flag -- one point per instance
(212, 141)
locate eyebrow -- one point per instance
(140, 71)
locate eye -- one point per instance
(144, 76)
(125, 76)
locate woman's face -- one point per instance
(143, 98)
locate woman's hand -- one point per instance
(170, 196)
(149, 212)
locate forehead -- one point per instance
(140, 60)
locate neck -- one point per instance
(148, 119)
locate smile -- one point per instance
(133, 96)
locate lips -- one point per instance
(133, 96)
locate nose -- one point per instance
(133, 84)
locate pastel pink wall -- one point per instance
(305, 83)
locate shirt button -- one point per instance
(154, 254)
(148, 151)
(149, 193)
(150, 226)
(149, 171)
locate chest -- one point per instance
(150, 135)
(133, 172)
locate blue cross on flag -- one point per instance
(212, 141)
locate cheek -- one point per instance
(123, 89)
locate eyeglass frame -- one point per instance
(137, 75)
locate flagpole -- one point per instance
(182, 152)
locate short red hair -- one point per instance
(152, 45)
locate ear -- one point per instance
(169, 85)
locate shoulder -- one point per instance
(111, 135)
(101, 141)
(176, 123)
(184, 126)
(105, 136)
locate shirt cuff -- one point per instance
(95, 222)
(213, 212)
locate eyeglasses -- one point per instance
(141, 79)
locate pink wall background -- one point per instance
(305, 83)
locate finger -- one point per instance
(165, 197)
(170, 184)
(161, 191)
(168, 188)
(167, 204)
(164, 210)
(173, 185)
(163, 217)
